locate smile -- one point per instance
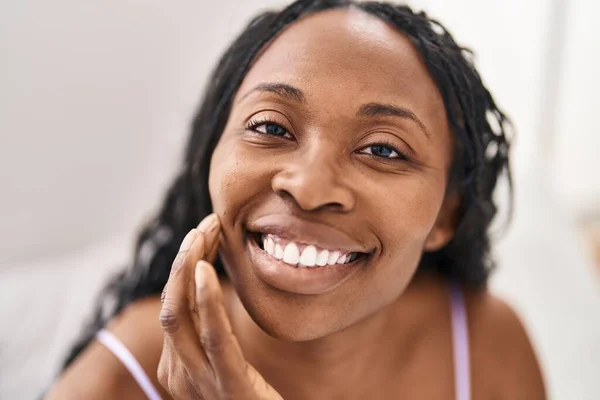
(303, 255)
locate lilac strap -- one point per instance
(460, 345)
(116, 347)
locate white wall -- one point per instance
(95, 102)
(510, 40)
(96, 99)
(576, 149)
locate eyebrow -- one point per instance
(388, 110)
(280, 89)
(369, 110)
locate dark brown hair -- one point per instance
(481, 156)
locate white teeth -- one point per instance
(322, 258)
(278, 251)
(333, 257)
(342, 259)
(270, 246)
(291, 254)
(309, 256)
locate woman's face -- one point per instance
(336, 151)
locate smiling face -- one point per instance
(336, 156)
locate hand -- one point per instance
(201, 358)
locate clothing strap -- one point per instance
(112, 343)
(460, 345)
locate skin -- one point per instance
(382, 331)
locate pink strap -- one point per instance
(116, 347)
(460, 345)
(460, 342)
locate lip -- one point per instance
(307, 281)
(306, 232)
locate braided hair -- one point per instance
(480, 129)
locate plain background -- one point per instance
(95, 104)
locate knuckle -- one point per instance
(169, 319)
(213, 342)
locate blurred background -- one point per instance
(95, 104)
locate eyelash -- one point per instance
(402, 156)
(255, 123)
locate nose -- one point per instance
(314, 180)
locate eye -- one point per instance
(268, 128)
(383, 151)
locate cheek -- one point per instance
(224, 180)
(405, 215)
(406, 209)
(235, 177)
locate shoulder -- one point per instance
(138, 328)
(98, 374)
(502, 353)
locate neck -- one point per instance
(348, 361)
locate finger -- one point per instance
(181, 381)
(175, 317)
(210, 228)
(163, 294)
(216, 335)
(207, 225)
(211, 254)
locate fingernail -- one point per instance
(188, 240)
(208, 223)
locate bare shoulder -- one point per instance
(503, 358)
(98, 374)
(139, 330)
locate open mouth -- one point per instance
(302, 255)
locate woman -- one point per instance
(342, 165)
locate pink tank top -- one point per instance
(460, 347)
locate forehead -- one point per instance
(347, 57)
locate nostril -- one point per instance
(311, 202)
(285, 194)
(313, 190)
(336, 207)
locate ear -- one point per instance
(446, 223)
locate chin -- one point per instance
(291, 317)
(303, 299)
(281, 314)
